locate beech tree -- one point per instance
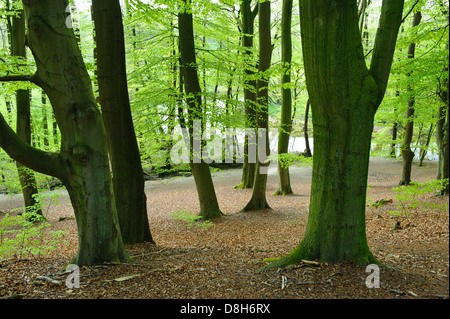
(407, 153)
(248, 16)
(258, 200)
(284, 183)
(23, 123)
(345, 95)
(128, 177)
(209, 207)
(82, 163)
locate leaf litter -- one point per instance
(222, 260)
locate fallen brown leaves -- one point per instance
(222, 261)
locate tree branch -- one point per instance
(255, 10)
(37, 160)
(410, 10)
(20, 78)
(385, 41)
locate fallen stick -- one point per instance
(312, 263)
(45, 278)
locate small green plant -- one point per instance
(27, 234)
(191, 220)
(20, 237)
(293, 220)
(288, 159)
(408, 197)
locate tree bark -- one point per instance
(258, 200)
(344, 98)
(284, 182)
(393, 151)
(128, 176)
(82, 163)
(209, 207)
(423, 151)
(407, 153)
(307, 152)
(23, 129)
(442, 124)
(248, 16)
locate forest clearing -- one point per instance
(221, 261)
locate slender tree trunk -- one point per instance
(23, 130)
(442, 136)
(258, 200)
(284, 183)
(45, 120)
(423, 151)
(128, 176)
(344, 98)
(307, 152)
(444, 164)
(407, 153)
(393, 151)
(209, 207)
(82, 163)
(248, 19)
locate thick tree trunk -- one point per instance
(284, 182)
(407, 153)
(91, 193)
(23, 129)
(248, 19)
(258, 200)
(128, 176)
(209, 207)
(344, 98)
(442, 132)
(444, 149)
(82, 164)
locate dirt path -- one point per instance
(221, 262)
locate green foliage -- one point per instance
(289, 159)
(411, 197)
(191, 220)
(28, 234)
(20, 237)
(419, 78)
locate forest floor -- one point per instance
(222, 260)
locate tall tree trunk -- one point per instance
(45, 120)
(248, 16)
(442, 136)
(444, 164)
(23, 129)
(128, 176)
(423, 151)
(393, 151)
(284, 183)
(407, 153)
(442, 125)
(82, 163)
(209, 207)
(307, 152)
(344, 98)
(258, 200)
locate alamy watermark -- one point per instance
(227, 146)
(73, 279)
(373, 279)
